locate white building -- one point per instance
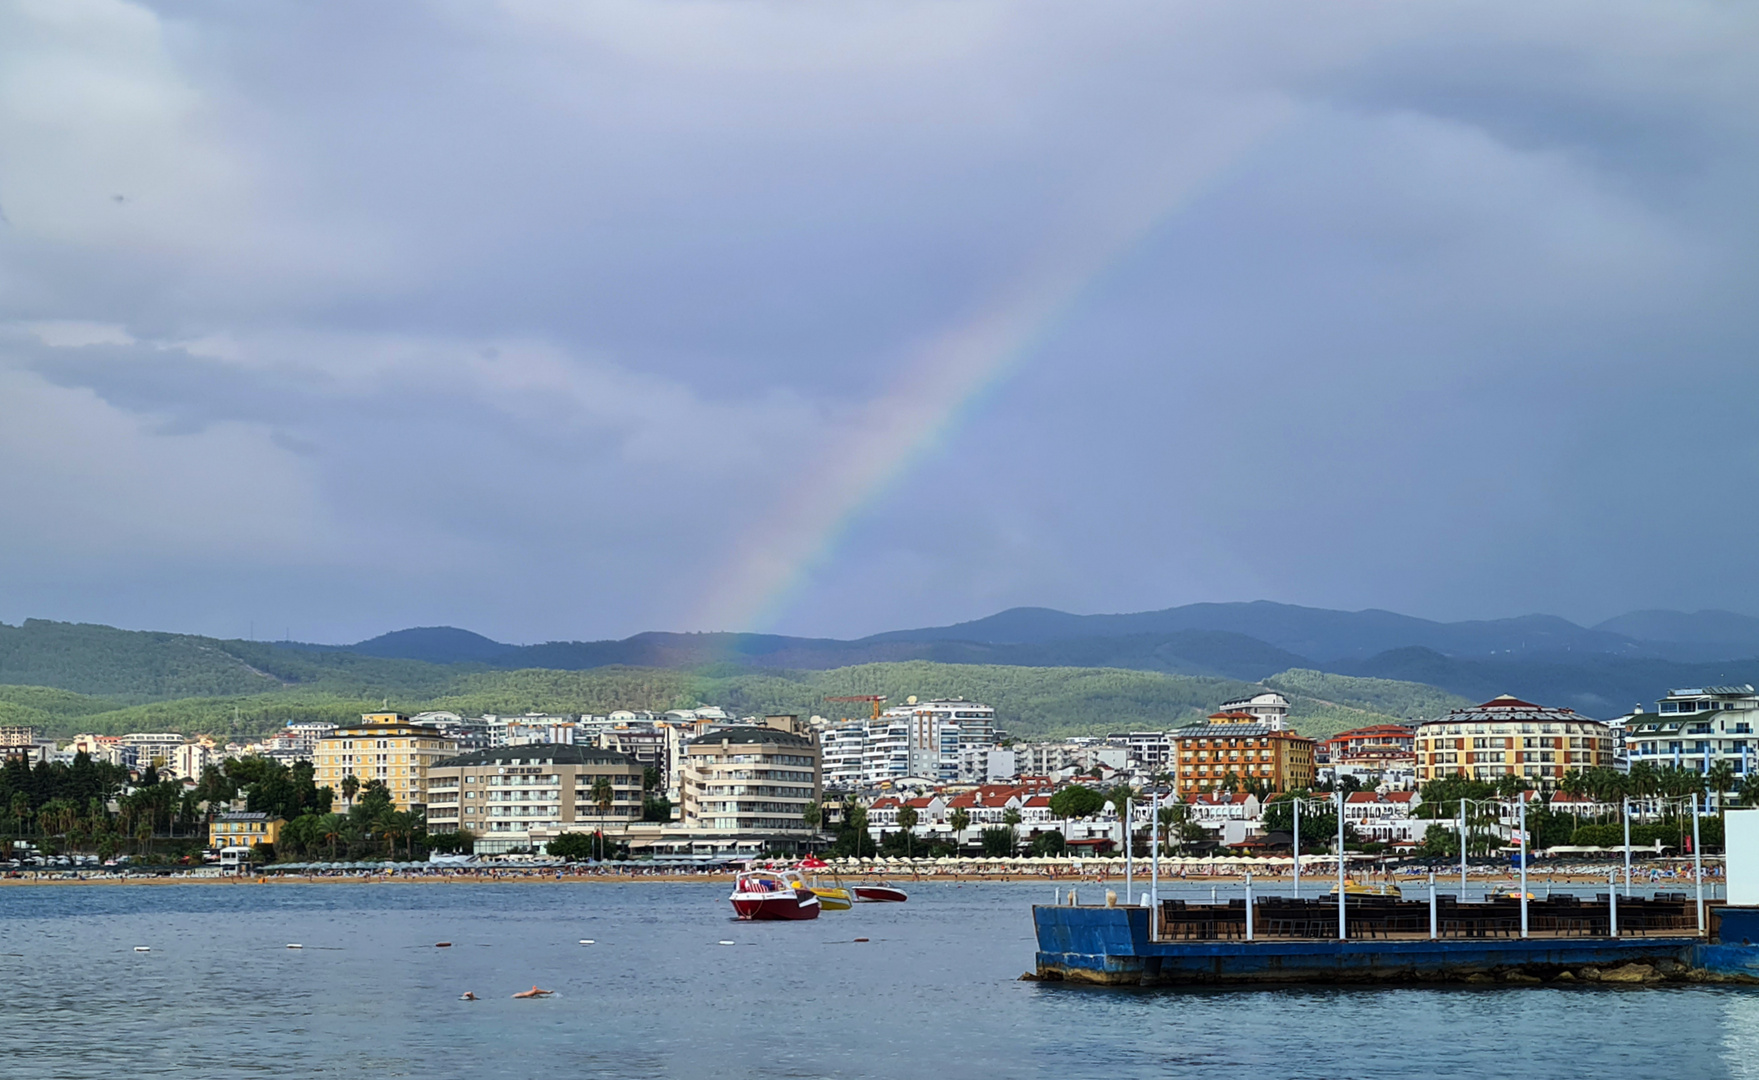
(1697, 727)
(1269, 707)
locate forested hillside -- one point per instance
(1030, 702)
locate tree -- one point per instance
(350, 785)
(812, 815)
(1076, 801)
(998, 840)
(907, 819)
(602, 797)
(960, 821)
(572, 846)
(1049, 844)
(1721, 780)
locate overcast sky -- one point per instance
(572, 320)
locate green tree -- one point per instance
(350, 786)
(1720, 780)
(1076, 801)
(960, 821)
(572, 846)
(998, 840)
(855, 819)
(603, 794)
(812, 815)
(907, 819)
(1049, 844)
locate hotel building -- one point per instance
(752, 780)
(1506, 736)
(1242, 745)
(384, 746)
(517, 797)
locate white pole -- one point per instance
(1297, 847)
(1625, 811)
(1434, 920)
(1612, 901)
(1523, 825)
(1154, 866)
(1698, 863)
(1343, 931)
(1129, 852)
(1462, 851)
(1248, 905)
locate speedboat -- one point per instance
(773, 895)
(1361, 888)
(880, 893)
(830, 897)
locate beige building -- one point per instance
(1239, 746)
(756, 780)
(383, 746)
(517, 797)
(1506, 736)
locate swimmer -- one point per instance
(534, 992)
(467, 996)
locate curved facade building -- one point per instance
(1506, 736)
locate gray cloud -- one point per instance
(527, 317)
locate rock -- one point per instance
(1565, 976)
(1480, 977)
(1030, 976)
(1630, 973)
(1592, 974)
(1668, 967)
(1521, 977)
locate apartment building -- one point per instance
(384, 746)
(1506, 736)
(752, 779)
(517, 797)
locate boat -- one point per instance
(1360, 889)
(880, 893)
(830, 897)
(765, 895)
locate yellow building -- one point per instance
(1506, 736)
(1241, 746)
(243, 830)
(386, 747)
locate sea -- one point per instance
(657, 980)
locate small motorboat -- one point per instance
(880, 894)
(773, 895)
(830, 897)
(1360, 888)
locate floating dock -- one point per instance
(1210, 945)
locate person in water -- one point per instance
(467, 996)
(534, 992)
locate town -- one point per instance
(921, 779)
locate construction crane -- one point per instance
(876, 700)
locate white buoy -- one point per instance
(726, 943)
(587, 941)
(142, 948)
(295, 946)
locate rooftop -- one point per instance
(754, 736)
(539, 754)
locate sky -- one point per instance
(571, 320)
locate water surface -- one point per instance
(934, 993)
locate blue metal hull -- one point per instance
(1112, 946)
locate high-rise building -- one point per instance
(1506, 736)
(517, 797)
(1239, 747)
(751, 779)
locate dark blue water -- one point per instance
(934, 993)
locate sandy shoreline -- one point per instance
(1535, 876)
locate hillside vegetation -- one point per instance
(1030, 702)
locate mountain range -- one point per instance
(1599, 670)
(1064, 672)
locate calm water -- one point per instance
(934, 993)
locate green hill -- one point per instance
(1030, 702)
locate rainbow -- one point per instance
(946, 381)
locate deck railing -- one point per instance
(1386, 917)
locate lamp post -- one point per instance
(1343, 927)
(1297, 847)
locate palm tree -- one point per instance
(907, 819)
(1011, 818)
(602, 796)
(812, 815)
(350, 788)
(1120, 797)
(856, 816)
(960, 821)
(1721, 780)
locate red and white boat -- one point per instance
(773, 894)
(880, 894)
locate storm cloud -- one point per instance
(563, 320)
